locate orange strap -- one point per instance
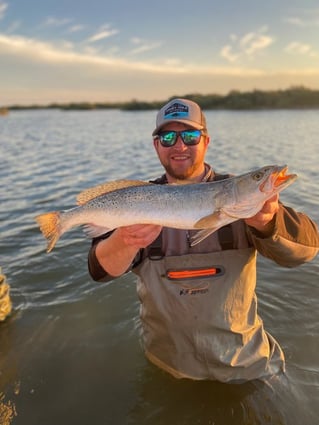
(192, 273)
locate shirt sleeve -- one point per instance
(293, 241)
(96, 271)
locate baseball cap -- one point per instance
(180, 110)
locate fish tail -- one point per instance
(50, 227)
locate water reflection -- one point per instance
(8, 373)
(162, 399)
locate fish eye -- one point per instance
(258, 175)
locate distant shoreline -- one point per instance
(292, 98)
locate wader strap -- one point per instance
(226, 237)
(155, 249)
(225, 234)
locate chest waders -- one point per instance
(199, 316)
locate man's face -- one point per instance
(181, 161)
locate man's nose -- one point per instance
(179, 143)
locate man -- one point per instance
(208, 327)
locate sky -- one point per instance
(119, 50)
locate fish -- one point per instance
(204, 206)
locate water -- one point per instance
(70, 351)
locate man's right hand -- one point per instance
(116, 253)
(139, 235)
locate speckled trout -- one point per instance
(202, 206)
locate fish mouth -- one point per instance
(278, 180)
(280, 177)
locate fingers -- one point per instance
(271, 206)
(139, 235)
(262, 219)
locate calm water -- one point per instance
(70, 352)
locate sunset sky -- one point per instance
(118, 50)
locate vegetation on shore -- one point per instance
(292, 98)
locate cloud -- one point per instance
(294, 21)
(42, 72)
(246, 46)
(252, 43)
(30, 52)
(300, 48)
(303, 22)
(3, 8)
(52, 21)
(35, 51)
(13, 27)
(103, 32)
(76, 28)
(143, 46)
(227, 53)
(56, 22)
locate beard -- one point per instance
(182, 174)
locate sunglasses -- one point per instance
(189, 137)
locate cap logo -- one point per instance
(177, 110)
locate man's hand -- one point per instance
(116, 253)
(262, 220)
(139, 235)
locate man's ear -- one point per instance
(155, 143)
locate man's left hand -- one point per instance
(262, 220)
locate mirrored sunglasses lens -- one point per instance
(168, 138)
(191, 137)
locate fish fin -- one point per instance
(94, 231)
(209, 224)
(50, 227)
(201, 235)
(93, 192)
(210, 221)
